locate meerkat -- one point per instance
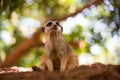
(59, 54)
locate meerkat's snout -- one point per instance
(55, 27)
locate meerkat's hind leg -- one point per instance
(63, 63)
(73, 63)
(49, 64)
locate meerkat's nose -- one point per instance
(55, 26)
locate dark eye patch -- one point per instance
(49, 24)
(57, 23)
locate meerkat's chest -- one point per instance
(56, 60)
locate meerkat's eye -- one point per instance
(49, 24)
(57, 23)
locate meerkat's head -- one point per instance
(52, 27)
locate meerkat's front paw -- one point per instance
(35, 68)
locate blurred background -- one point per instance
(92, 27)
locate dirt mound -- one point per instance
(96, 71)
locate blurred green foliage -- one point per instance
(95, 29)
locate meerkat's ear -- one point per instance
(61, 28)
(43, 29)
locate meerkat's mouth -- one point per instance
(53, 29)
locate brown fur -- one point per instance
(59, 54)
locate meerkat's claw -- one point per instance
(35, 68)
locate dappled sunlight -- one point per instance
(113, 44)
(7, 38)
(99, 27)
(28, 26)
(95, 49)
(86, 58)
(14, 18)
(2, 56)
(73, 21)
